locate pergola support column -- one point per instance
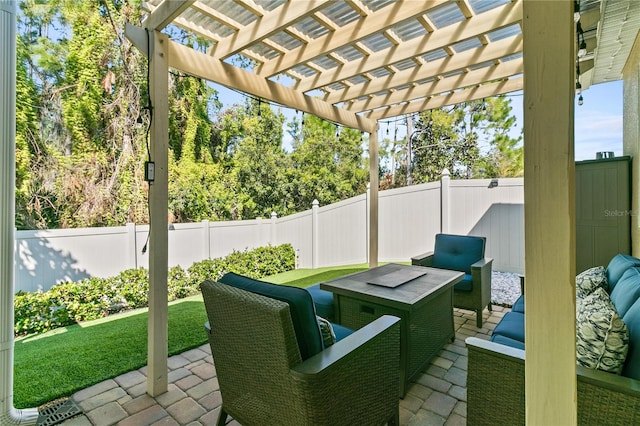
(8, 414)
(157, 334)
(549, 208)
(373, 198)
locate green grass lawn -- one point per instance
(56, 364)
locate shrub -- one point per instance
(70, 302)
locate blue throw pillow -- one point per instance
(303, 314)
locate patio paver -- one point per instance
(437, 397)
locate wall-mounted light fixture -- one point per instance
(493, 183)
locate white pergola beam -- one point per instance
(165, 13)
(472, 78)
(157, 330)
(469, 94)
(276, 20)
(462, 60)
(350, 33)
(549, 213)
(201, 65)
(489, 21)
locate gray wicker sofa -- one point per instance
(495, 375)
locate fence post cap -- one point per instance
(445, 172)
(315, 202)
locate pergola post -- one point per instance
(549, 207)
(373, 198)
(8, 414)
(157, 334)
(631, 134)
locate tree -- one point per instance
(258, 160)
(449, 137)
(327, 164)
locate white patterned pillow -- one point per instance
(602, 338)
(326, 330)
(587, 281)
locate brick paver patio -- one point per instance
(436, 397)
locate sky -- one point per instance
(598, 121)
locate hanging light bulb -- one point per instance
(578, 88)
(576, 11)
(582, 51)
(580, 100)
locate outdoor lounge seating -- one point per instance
(463, 253)
(495, 375)
(272, 366)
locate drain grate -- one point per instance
(58, 412)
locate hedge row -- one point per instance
(70, 302)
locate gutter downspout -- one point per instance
(8, 414)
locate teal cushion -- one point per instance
(511, 326)
(503, 340)
(457, 252)
(626, 291)
(465, 285)
(300, 304)
(323, 300)
(632, 363)
(341, 331)
(518, 306)
(617, 266)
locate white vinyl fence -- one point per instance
(337, 234)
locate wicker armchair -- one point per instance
(495, 390)
(264, 381)
(463, 253)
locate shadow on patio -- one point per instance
(437, 397)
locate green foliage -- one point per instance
(71, 302)
(450, 137)
(328, 164)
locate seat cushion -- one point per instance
(465, 285)
(632, 363)
(341, 331)
(587, 281)
(503, 340)
(518, 306)
(300, 304)
(602, 338)
(323, 301)
(457, 252)
(511, 326)
(626, 291)
(617, 266)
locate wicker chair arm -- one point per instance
(485, 262)
(495, 349)
(609, 381)
(354, 381)
(425, 259)
(495, 389)
(342, 349)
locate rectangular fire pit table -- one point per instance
(422, 298)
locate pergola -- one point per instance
(355, 62)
